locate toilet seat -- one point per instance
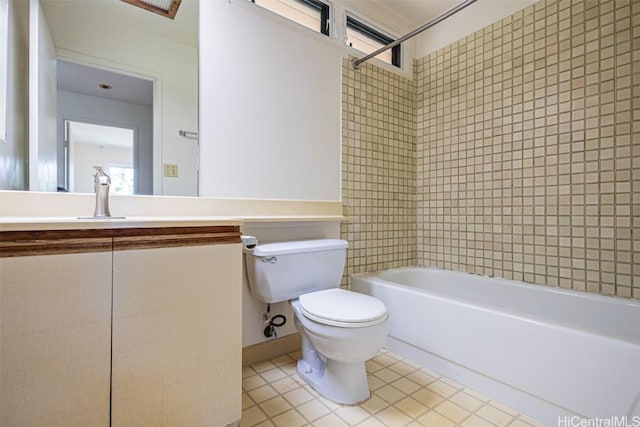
(346, 309)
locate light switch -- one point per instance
(170, 170)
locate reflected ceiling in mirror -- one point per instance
(182, 29)
(91, 81)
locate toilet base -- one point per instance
(341, 382)
(344, 383)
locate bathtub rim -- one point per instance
(633, 340)
(523, 396)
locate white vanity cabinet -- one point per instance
(55, 340)
(121, 327)
(177, 348)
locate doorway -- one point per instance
(90, 144)
(97, 96)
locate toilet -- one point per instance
(340, 329)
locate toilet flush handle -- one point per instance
(271, 259)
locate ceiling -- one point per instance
(396, 16)
(401, 16)
(181, 30)
(85, 80)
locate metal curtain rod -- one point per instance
(356, 62)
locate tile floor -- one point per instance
(403, 394)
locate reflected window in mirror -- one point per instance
(166, 8)
(122, 179)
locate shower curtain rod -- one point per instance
(356, 62)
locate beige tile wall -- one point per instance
(378, 168)
(528, 148)
(515, 152)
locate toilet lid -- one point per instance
(339, 307)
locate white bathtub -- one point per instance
(544, 351)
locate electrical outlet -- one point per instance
(170, 170)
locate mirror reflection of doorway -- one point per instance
(111, 99)
(89, 145)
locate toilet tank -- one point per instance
(282, 271)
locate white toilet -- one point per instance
(340, 329)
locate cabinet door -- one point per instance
(177, 348)
(55, 340)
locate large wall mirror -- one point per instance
(100, 82)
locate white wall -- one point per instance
(14, 151)
(252, 88)
(4, 43)
(469, 20)
(173, 65)
(270, 98)
(269, 107)
(106, 111)
(42, 102)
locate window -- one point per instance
(166, 8)
(121, 179)
(367, 40)
(312, 14)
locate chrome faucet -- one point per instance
(101, 181)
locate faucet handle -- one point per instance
(101, 177)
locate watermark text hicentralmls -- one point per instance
(622, 421)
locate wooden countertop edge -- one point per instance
(52, 242)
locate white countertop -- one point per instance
(78, 223)
(23, 210)
(75, 223)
